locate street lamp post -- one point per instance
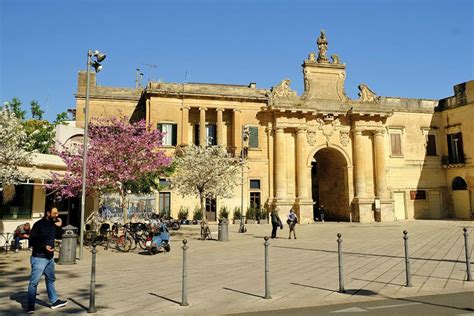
(245, 137)
(98, 57)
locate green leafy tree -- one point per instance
(36, 111)
(14, 106)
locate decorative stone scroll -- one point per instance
(311, 137)
(366, 94)
(282, 90)
(328, 125)
(344, 138)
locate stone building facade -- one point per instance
(368, 159)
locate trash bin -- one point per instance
(67, 251)
(223, 230)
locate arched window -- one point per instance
(459, 184)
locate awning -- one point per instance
(34, 173)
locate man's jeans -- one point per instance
(17, 241)
(40, 266)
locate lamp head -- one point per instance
(100, 57)
(97, 66)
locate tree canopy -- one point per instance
(206, 172)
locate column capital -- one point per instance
(202, 108)
(220, 109)
(278, 128)
(379, 132)
(237, 110)
(357, 131)
(301, 130)
(185, 107)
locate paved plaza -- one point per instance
(228, 277)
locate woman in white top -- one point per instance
(292, 220)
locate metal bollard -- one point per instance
(468, 257)
(92, 308)
(184, 288)
(407, 260)
(341, 268)
(267, 270)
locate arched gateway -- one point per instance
(329, 184)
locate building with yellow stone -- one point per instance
(369, 159)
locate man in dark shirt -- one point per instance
(42, 237)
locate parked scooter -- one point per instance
(160, 241)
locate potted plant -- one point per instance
(237, 215)
(183, 215)
(251, 215)
(197, 216)
(223, 213)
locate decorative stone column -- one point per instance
(363, 205)
(380, 180)
(184, 125)
(280, 163)
(303, 178)
(237, 131)
(220, 123)
(202, 126)
(301, 174)
(359, 165)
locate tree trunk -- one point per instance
(123, 197)
(203, 208)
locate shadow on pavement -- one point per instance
(313, 287)
(242, 292)
(373, 281)
(22, 298)
(165, 298)
(371, 254)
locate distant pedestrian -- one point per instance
(292, 221)
(42, 237)
(21, 232)
(322, 210)
(276, 222)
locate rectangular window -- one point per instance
(170, 131)
(211, 135)
(21, 204)
(396, 144)
(253, 137)
(165, 203)
(255, 199)
(255, 184)
(455, 148)
(431, 145)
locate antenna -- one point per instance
(152, 69)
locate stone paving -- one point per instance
(228, 277)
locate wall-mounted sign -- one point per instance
(418, 195)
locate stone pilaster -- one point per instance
(184, 125)
(220, 123)
(380, 179)
(280, 163)
(202, 126)
(359, 165)
(305, 204)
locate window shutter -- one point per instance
(431, 145)
(196, 134)
(174, 135)
(460, 148)
(253, 137)
(395, 142)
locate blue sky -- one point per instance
(407, 48)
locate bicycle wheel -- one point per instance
(124, 243)
(142, 242)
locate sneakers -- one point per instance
(30, 310)
(58, 304)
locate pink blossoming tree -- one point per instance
(122, 157)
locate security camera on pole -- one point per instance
(245, 138)
(94, 58)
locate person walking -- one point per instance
(276, 222)
(42, 237)
(322, 210)
(292, 221)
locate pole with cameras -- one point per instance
(94, 58)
